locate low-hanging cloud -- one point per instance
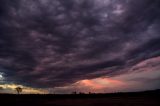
(48, 43)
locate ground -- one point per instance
(149, 98)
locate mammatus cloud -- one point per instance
(49, 43)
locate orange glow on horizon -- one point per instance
(100, 83)
(25, 90)
(91, 84)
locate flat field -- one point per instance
(148, 98)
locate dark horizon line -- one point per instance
(92, 93)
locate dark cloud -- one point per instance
(47, 43)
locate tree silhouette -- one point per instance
(19, 90)
(74, 92)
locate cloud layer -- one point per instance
(48, 43)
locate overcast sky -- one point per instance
(81, 45)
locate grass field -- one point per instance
(148, 98)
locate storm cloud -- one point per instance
(49, 43)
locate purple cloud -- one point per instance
(48, 43)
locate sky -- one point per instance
(61, 46)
